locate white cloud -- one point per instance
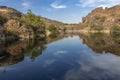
(96, 3)
(48, 62)
(95, 66)
(60, 52)
(87, 3)
(57, 5)
(104, 6)
(26, 5)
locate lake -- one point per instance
(65, 57)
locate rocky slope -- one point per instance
(102, 19)
(8, 12)
(59, 25)
(17, 27)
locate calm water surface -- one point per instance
(80, 57)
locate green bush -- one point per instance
(52, 28)
(35, 22)
(115, 29)
(32, 20)
(96, 27)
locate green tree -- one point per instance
(52, 28)
(32, 20)
(35, 22)
(115, 29)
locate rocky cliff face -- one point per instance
(101, 18)
(18, 29)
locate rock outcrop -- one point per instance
(18, 29)
(102, 19)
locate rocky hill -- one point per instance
(19, 24)
(102, 19)
(8, 12)
(57, 24)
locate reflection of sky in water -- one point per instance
(67, 59)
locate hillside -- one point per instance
(26, 25)
(8, 12)
(52, 22)
(102, 19)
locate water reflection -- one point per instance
(12, 53)
(100, 42)
(64, 57)
(15, 52)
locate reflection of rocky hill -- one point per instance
(61, 36)
(102, 43)
(15, 52)
(9, 60)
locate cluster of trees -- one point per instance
(32, 20)
(37, 24)
(33, 23)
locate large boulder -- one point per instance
(18, 29)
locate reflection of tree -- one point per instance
(100, 42)
(116, 37)
(98, 38)
(35, 51)
(9, 60)
(15, 52)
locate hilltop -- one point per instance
(99, 19)
(8, 12)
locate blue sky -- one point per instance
(68, 11)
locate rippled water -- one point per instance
(80, 57)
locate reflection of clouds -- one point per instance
(95, 66)
(60, 52)
(49, 62)
(53, 60)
